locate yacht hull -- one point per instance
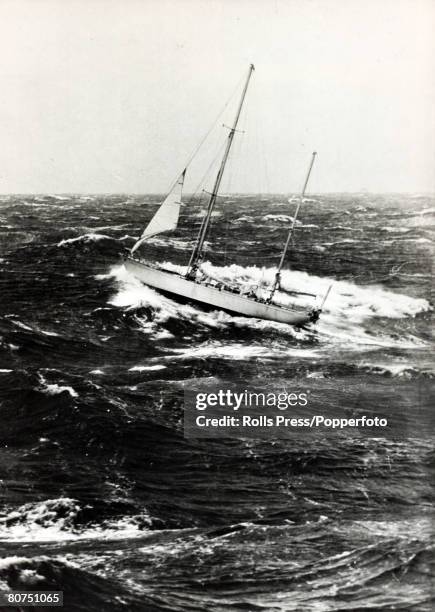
(211, 297)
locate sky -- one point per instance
(112, 96)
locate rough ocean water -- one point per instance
(103, 497)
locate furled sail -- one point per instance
(166, 218)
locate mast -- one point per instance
(290, 232)
(197, 251)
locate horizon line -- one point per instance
(235, 193)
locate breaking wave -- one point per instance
(84, 238)
(64, 519)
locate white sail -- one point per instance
(166, 218)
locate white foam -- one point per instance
(345, 241)
(177, 243)
(49, 333)
(396, 230)
(419, 240)
(28, 328)
(146, 368)
(346, 298)
(22, 325)
(346, 228)
(55, 389)
(237, 352)
(84, 238)
(400, 370)
(7, 562)
(244, 219)
(42, 522)
(127, 237)
(295, 199)
(281, 218)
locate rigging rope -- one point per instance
(204, 138)
(207, 172)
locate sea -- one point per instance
(102, 495)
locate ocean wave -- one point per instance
(244, 219)
(346, 298)
(240, 352)
(142, 368)
(297, 199)
(55, 389)
(37, 203)
(396, 370)
(237, 352)
(49, 333)
(22, 574)
(344, 241)
(35, 330)
(22, 325)
(114, 228)
(40, 520)
(127, 237)
(345, 228)
(63, 519)
(61, 198)
(419, 240)
(427, 211)
(86, 238)
(176, 243)
(281, 219)
(396, 230)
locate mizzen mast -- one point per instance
(277, 280)
(197, 251)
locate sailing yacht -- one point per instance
(194, 285)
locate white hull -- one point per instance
(212, 297)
